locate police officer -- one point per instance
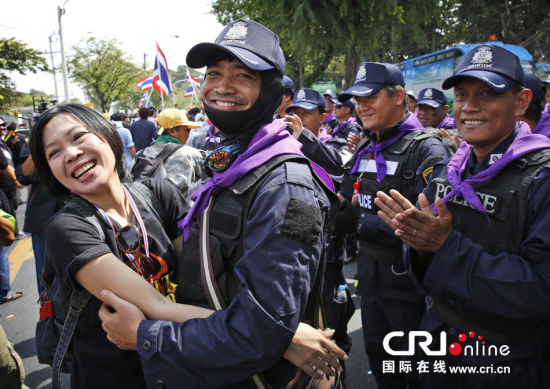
(269, 215)
(432, 109)
(344, 111)
(537, 119)
(411, 101)
(483, 258)
(330, 121)
(288, 95)
(395, 155)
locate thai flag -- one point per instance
(189, 92)
(193, 81)
(161, 75)
(143, 99)
(146, 83)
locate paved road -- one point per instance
(19, 318)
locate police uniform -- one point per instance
(389, 300)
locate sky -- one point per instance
(177, 25)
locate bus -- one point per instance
(430, 70)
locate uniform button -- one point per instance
(146, 345)
(160, 384)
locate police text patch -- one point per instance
(303, 222)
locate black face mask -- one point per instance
(240, 126)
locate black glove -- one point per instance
(347, 219)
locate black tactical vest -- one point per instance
(504, 199)
(405, 154)
(227, 223)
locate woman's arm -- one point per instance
(108, 272)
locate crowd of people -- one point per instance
(217, 256)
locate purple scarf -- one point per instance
(212, 136)
(270, 140)
(410, 124)
(543, 126)
(329, 118)
(447, 123)
(324, 135)
(524, 143)
(343, 125)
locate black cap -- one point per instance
(256, 46)
(348, 103)
(330, 93)
(371, 77)
(288, 83)
(435, 98)
(493, 65)
(307, 99)
(533, 83)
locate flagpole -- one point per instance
(149, 97)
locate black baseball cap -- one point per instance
(435, 98)
(288, 83)
(348, 103)
(371, 77)
(307, 99)
(256, 46)
(330, 93)
(495, 66)
(533, 83)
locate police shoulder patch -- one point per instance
(303, 222)
(427, 173)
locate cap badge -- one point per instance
(237, 32)
(361, 74)
(428, 93)
(483, 55)
(301, 95)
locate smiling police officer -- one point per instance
(396, 154)
(483, 258)
(264, 224)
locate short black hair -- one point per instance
(143, 112)
(94, 122)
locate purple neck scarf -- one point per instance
(270, 140)
(212, 136)
(349, 121)
(329, 118)
(324, 135)
(543, 126)
(447, 123)
(524, 143)
(410, 124)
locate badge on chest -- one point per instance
(369, 166)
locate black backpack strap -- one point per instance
(168, 150)
(145, 196)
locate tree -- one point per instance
(16, 56)
(105, 73)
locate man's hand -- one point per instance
(419, 229)
(353, 141)
(295, 123)
(122, 325)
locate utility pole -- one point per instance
(53, 66)
(145, 64)
(61, 12)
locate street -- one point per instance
(18, 318)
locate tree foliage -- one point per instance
(329, 38)
(105, 73)
(16, 56)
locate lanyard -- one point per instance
(142, 228)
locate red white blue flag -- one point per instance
(161, 75)
(143, 99)
(189, 92)
(146, 83)
(193, 81)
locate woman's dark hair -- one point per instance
(93, 122)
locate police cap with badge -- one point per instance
(432, 97)
(371, 77)
(308, 99)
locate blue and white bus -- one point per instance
(430, 70)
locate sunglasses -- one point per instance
(220, 159)
(129, 241)
(2, 124)
(339, 106)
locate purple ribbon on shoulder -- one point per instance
(324, 136)
(447, 123)
(410, 124)
(343, 125)
(543, 126)
(524, 143)
(212, 136)
(329, 118)
(270, 140)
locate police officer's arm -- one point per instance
(281, 255)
